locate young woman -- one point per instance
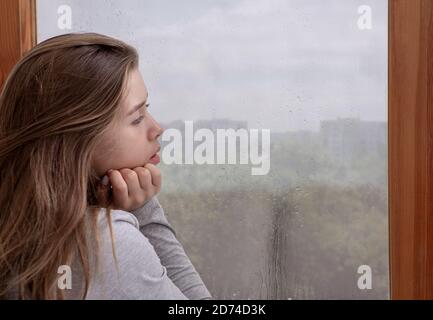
(79, 216)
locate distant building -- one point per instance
(351, 137)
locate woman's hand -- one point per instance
(131, 189)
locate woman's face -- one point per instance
(133, 140)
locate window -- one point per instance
(314, 222)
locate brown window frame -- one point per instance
(410, 131)
(17, 32)
(410, 148)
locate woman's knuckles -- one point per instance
(126, 195)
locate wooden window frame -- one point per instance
(410, 131)
(17, 32)
(410, 156)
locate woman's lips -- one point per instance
(155, 159)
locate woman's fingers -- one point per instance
(119, 188)
(144, 177)
(156, 175)
(132, 188)
(131, 180)
(136, 194)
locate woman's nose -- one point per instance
(160, 131)
(156, 131)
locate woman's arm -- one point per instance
(154, 226)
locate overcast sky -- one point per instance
(278, 64)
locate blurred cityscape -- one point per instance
(299, 232)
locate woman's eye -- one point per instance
(138, 120)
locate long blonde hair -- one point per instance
(56, 104)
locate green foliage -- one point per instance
(299, 232)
